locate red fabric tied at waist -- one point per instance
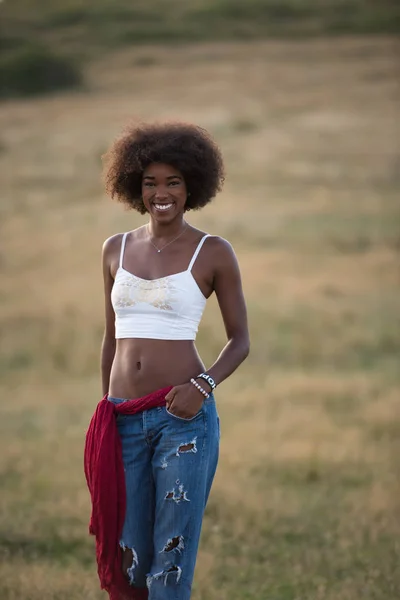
(104, 471)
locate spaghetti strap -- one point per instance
(196, 252)
(121, 256)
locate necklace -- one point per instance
(168, 243)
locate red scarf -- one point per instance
(105, 477)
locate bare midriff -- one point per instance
(142, 366)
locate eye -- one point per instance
(175, 182)
(148, 184)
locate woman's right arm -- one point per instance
(108, 345)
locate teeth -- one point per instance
(163, 206)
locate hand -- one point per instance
(184, 401)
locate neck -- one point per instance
(166, 230)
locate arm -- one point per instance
(228, 289)
(185, 400)
(108, 344)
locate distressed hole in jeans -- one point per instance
(187, 447)
(173, 570)
(129, 557)
(175, 543)
(177, 495)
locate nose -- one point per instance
(161, 193)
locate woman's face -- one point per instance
(163, 191)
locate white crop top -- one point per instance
(167, 308)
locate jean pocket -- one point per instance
(198, 414)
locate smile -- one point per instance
(163, 206)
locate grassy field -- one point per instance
(306, 502)
(83, 28)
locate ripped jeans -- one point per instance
(169, 465)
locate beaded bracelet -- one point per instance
(209, 380)
(196, 385)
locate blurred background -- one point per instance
(303, 98)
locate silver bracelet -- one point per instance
(196, 385)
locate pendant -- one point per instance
(158, 250)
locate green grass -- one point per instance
(44, 44)
(85, 29)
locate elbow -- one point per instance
(109, 344)
(241, 343)
(109, 341)
(246, 348)
(109, 336)
(243, 347)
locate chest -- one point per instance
(177, 294)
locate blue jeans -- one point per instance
(169, 465)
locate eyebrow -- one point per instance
(169, 177)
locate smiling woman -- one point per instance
(164, 192)
(158, 396)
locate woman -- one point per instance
(157, 279)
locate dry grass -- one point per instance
(306, 500)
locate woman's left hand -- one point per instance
(184, 401)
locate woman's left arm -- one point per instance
(184, 400)
(228, 289)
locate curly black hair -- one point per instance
(187, 147)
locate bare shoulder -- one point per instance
(221, 251)
(219, 243)
(111, 243)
